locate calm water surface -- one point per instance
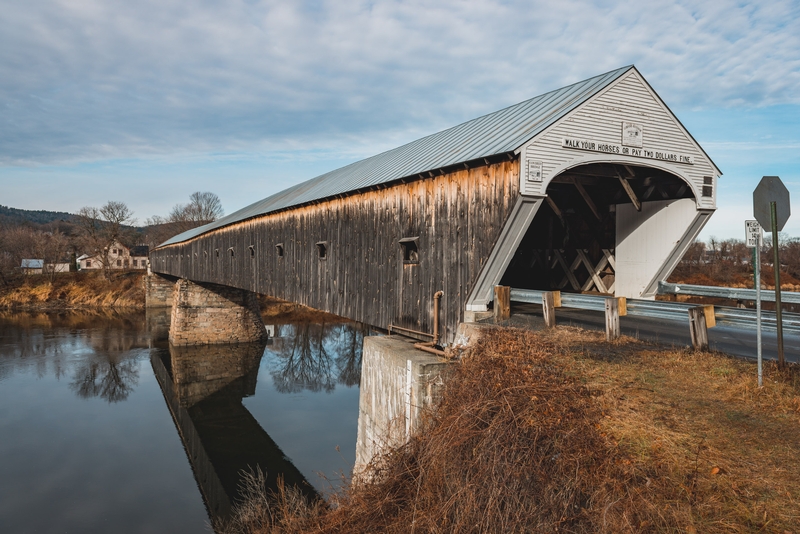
(105, 428)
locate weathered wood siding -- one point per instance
(457, 217)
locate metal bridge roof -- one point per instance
(496, 133)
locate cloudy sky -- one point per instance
(147, 101)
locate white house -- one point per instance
(119, 257)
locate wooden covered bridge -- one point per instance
(593, 187)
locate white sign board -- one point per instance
(632, 134)
(613, 148)
(534, 171)
(753, 235)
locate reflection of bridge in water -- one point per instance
(204, 387)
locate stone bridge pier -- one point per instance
(206, 314)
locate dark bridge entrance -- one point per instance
(571, 243)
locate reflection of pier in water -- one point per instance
(204, 387)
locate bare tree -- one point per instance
(15, 245)
(102, 227)
(203, 208)
(51, 248)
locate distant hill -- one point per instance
(18, 216)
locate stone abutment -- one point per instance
(209, 314)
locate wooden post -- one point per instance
(697, 328)
(711, 319)
(502, 303)
(612, 319)
(549, 309)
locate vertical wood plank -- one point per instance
(502, 303)
(612, 319)
(697, 328)
(549, 309)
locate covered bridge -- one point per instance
(593, 187)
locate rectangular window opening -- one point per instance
(252, 251)
(410, 249)
(322, 250)
(708, 186)
(279, 249)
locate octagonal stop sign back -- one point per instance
(771, 189)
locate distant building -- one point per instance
(61, 267)
(32, 266)
(120, 257)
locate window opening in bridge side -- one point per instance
(231, 252)
(252, 251)
(216, 252)
(708, 185)
(322, 250)
(410, 249)
(279, 249)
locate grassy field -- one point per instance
(559, 431)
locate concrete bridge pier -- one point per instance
(208, 314)
(398, 384)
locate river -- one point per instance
(106, 428)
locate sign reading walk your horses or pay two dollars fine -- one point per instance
(614, 148)
(772, 209)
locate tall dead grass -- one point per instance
(75, 290)
(515, 446)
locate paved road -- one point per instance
(735, 341)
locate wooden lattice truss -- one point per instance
(579, 267)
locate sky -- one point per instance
(146, 102)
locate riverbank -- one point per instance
(82, 290)
(561, 431)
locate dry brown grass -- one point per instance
(721, 454)
(75, 290)
(562, 432)
(280, 311)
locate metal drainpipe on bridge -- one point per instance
(430, 346)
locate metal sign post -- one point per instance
(771, 208)
(776, 266)
(754, 240)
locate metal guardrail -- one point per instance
(669, 311)
(733, 293)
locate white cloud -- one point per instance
(92, 79)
